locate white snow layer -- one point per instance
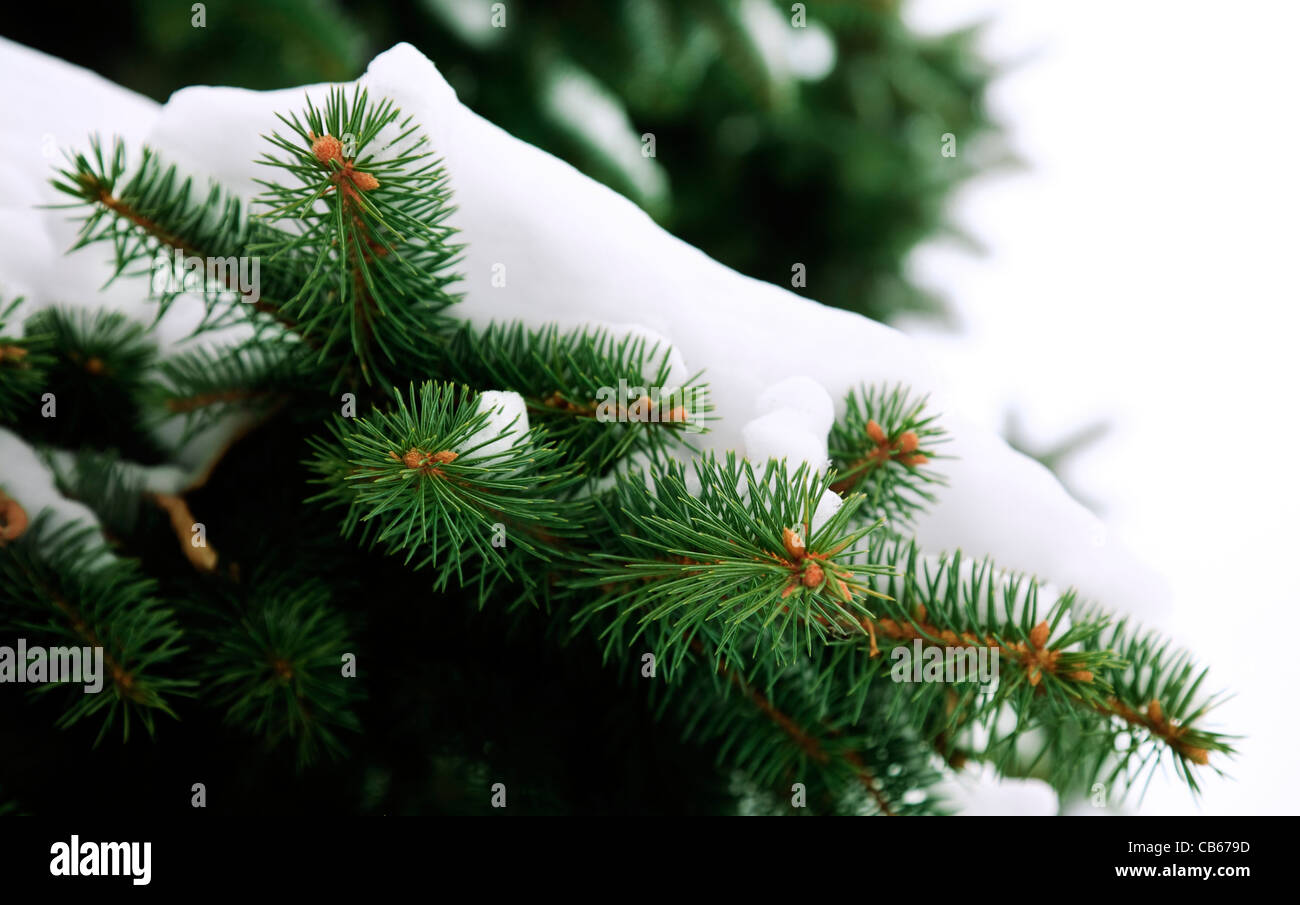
(574, 253)
(507, 422)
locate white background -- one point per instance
(1143, 269)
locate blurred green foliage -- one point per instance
(781, 137)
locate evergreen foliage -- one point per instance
(772, 622)
(24, 361)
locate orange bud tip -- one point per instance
(793, 543)
(1038, 635)
(813, 576)
(365, 181)
(13, 520)
(327, 148)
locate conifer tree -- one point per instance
(489, 465)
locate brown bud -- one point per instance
(364, 181)
(876, 433)
(414, 458)
(1081, 675)
(1197, 755)
(442, 457)
(1155, 711)
(813, 576)
(1038, 635)
(13, 520)
(908, 442)
(793, 543)
(327, 148)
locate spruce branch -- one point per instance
(738, 556)
(880, 448)
(276, 667)
(428, 481)
(1067, 678)
(777, 640)
(571, 381)
(1156, 701)
(777, 733)
(154, 214)
(97, 366)
(98, 343)
(56, 586)
(203, 385)
(364, 209)
(24, 363)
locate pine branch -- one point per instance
(204, 385)
(571, 382)
(57, 587)
(728, 560)
(365, 208)
(778, 735)
(879, 449)
(276, 667)
(774, 637)
(690, 578)
(96, 369)
(154, 214)
(1065, 675)
(428, 481)
(24, 362)
(1156, 698)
